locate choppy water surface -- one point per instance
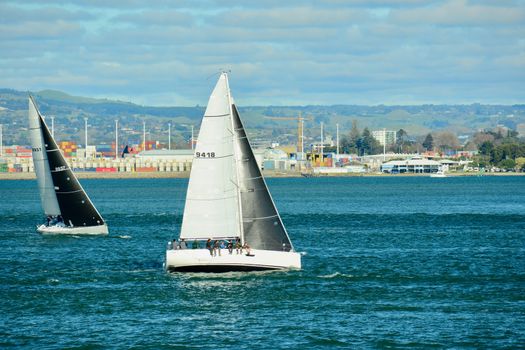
(388, 263)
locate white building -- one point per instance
(414, 165)
(385, 137)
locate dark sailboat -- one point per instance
(66, 205)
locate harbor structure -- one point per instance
(415, 165)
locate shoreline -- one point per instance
(269, 174)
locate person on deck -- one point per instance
(209, 246)
(183, 244)
(195, 245)
(216, 248)
(230, 247)
(247, 247)
(238, 246)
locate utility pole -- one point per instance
(192, 137)
(302, 139)
(85, 136)
(144, 135)
(169, 136)
(337, 138)
(116, 138)
(322, 145)
(384, 144)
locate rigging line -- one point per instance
(261, 218)
(253, 178)
(234, 183)
(209, 199)
(217, 116)
(67, 192)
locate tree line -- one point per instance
(503, 149)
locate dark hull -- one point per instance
(220, 268)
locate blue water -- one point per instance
(389, 262)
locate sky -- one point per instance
(292, 52)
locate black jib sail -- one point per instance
(262, 225)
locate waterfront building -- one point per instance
(415, 165)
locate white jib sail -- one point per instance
(212, 207)
(43, 173)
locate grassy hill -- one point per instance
(69, 112)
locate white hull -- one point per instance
(200, 260)
(438, 175)
(64, 230)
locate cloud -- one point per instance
(327, 52)
(460, 13)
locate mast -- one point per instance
(236, 159)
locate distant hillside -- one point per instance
(69, 112)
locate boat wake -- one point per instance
(336, 275)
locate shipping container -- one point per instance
(146, 169)
(106, 170)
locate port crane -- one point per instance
(300, 129)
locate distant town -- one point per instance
(118, 137)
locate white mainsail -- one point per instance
(41, 164)
(212, 201)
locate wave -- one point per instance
(337, 275)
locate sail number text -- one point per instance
(205, 154)
(36, 149)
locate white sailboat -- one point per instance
(228, 200)
(66, 205)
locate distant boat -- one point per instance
(66, 205)
(439, 173)
(228, 201)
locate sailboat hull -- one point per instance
(81, 230)
(200, 260)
